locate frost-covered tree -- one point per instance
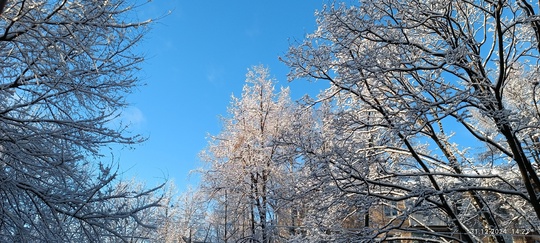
(66, 68)
(405, 77)
(129, 197)
(183, 218)
(248, 168)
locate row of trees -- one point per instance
(432, 111)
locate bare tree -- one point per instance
(404, 75)
(248, 166)
(66, 67)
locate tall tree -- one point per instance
(247, 163)
(403, 75)
(66, 68)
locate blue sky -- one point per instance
(197, 57)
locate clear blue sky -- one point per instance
(197, 57)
